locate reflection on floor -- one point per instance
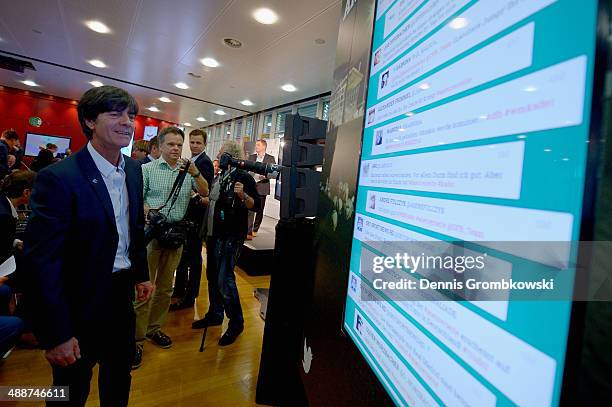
(179, 376)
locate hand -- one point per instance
(192, 169)
(146, 213)
(239, 190)
(18, 244)
(65, 354)
(3, 280)
(204, 201)
(144, 290)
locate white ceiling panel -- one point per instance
(156, 43)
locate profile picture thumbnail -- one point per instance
(359, 324)
(360, 224)
(365, 169)
(384, 80)
(372, 204)
(371, 115)
(377, 55)
(378, 139)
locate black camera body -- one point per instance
(169, 235)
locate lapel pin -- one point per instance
(95, 180)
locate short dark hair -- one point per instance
(153, 142)
(101, 100)
(199, 132)
(10, 134)
(51, 145)
(169, 130)
(16, 182)
(265, 143)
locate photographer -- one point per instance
(163, 253)
(230, 200)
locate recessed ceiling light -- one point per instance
(565, 159)
(97, 63)
(547, 150)
(96, 84)
(181, 85)
(29, 83)
(153, 108)
(187, 124)
(247, 102)
(410, 114)
(522, 136)
(200, 119)
(98, 27)
(530, 88)
(164, 99)
(209, 62)
(265, 16)
(220, 112)
(458, 23)
(288, 87)
(424, 86)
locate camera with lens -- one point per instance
(226, 160)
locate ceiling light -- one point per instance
(164, 99)
(247, 102)
(98, 27)
(265, 16)
(547, 150)
(220, 112)
(458, 23)
(424, 86)
(153, 108)
(522, 136)
(209, 62)
(29, 83)
(96, 84)
(288, 87)
(410, 114)
(187, 124)
(200, 119)
(565, 159)
(530, 88)
(97, 63)
(181, 85)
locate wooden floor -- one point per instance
(179, 376)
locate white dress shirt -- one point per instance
(115, 181)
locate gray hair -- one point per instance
(232, 147)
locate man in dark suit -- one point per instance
(8, 140)
(189, 271)
(263, 185)
(85, 253)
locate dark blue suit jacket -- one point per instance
(70, 246)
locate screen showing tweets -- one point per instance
(469, 198)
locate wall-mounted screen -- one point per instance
(475, 139)
(36, 142)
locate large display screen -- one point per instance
(476, 130)
(37, 142)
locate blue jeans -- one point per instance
(10, 327)
(222, 255)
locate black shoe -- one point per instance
(181, 304)
(137, 357)
(206, 322)
(230, 335)
(160, 339)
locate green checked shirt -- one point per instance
(158, 178)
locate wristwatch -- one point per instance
(197, 175)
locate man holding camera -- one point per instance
(230, 200)
(164, 254)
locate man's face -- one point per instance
(260, 148)
(196, 144)
(216, 166)
(171, 147)
(113, 130)
(11, 160)
(11, 143)
(155, 152)
(139, 154)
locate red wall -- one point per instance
(59, 116)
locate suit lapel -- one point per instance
(95, 180)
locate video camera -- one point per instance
(226, 160)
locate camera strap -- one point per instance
(175, 191)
